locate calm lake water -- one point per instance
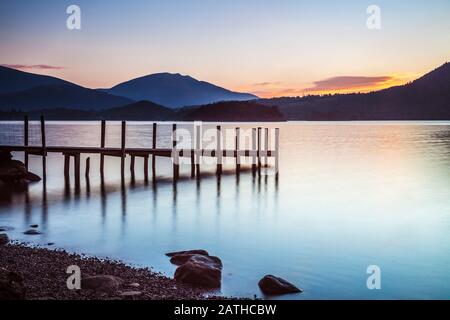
(349, 195)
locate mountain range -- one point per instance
(27, 91)
(427, 98)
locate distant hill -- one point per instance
(142, 110)
(28, 91)
(12, 80)
(61, 95)
(427, 98)
(175, 91)
(232, 111)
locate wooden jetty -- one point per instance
(195, 153)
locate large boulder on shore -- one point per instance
(3, 239)
(14, 171)
(197, 268)
(199, 275)
(101, 283)
(272, 285)
(211, 261)
(11, 285)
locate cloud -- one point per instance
(32, 66)
(349, 83)
(265, 84)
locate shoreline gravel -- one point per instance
(44, 277)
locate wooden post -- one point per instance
(77, 170)
(192, 158)
(198, 150)
(44, 151)
(175, 155)
(154, 147)
(253, 150)
(219, 153)
(86, 175)
(146, 168)
(266, 147)
(66, 166)
(122, 150)
(102, 145)
(133, 159)
(277, 150)
(25, 139)
(88, 167)
(259, 149)
(238, 157)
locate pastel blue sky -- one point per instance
(270, 47)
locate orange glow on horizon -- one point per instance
(277, 91)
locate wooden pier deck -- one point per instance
(195, 153)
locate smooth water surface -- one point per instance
(349, 195)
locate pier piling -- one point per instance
(219, 153)
(102, 145)
(236, 147)
(153, 155)
(122, 147)
(25, 139)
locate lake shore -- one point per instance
(43, 277)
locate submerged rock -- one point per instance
(272, 285)
(34, 226)
(3, 239)
(32, 232)
(196, 251)
(11, 285)
(5, 228)
(101, 283)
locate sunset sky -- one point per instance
(267, 47)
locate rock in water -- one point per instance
(11, 285)
(181, 259)
(272, 285)
(30, 176)
(13, 171)
(34, 226)
(199, 275)
(101, 283)
(32, 232)
(197, 251)
(3, 239)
